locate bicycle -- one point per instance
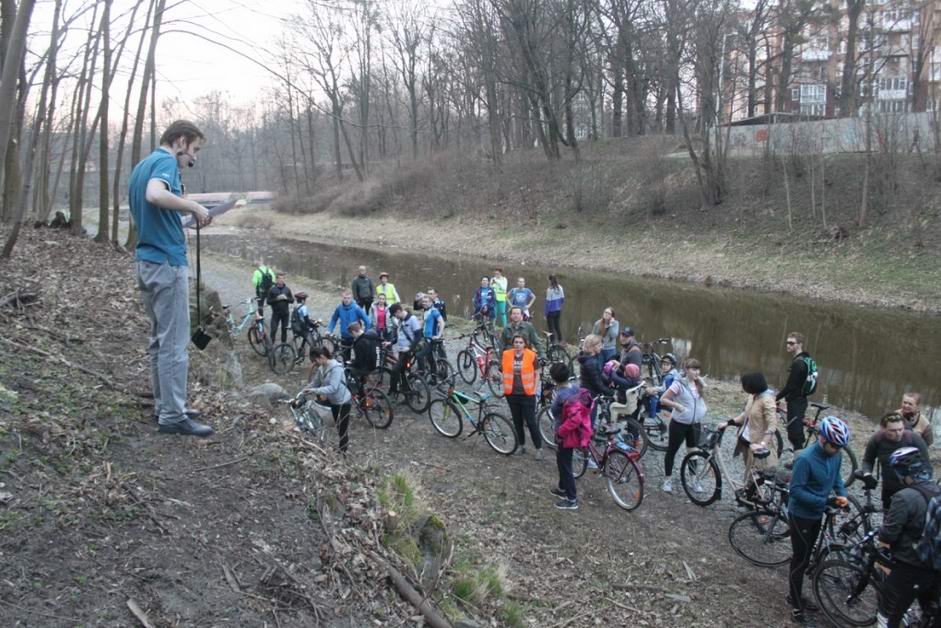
(235, 329)
(313, 339)
(557, 351)
(484, 332)
(651, 359)
(418, 394)
(370, 402)
(441, 369)
(306, 417)
(850, 462)
(479, 361)
(448, 415)
(617, 462)
(637, 435)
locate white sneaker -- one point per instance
(668, 485)
(539, 454)
(592, 464)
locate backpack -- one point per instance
(810, 384)
(928, 547)
(368, 343)
(297, 325)
(267, 281)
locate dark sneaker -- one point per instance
(187, 427)
(802, 619)
(806, 603)
(556, 492)
(567, 504)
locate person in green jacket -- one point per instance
(519, 327)
(262, 280)
(387, 289)
(498, 283)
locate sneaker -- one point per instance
(592, 464)
(668, 485)
(557, 492)
(522, 450)
(806, 603)
(567, 504)
(801, 619)
(539, 454)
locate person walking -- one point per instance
(801, 382)
(555, 297)
(756, 427)
(571, 415)
(262, 280)
(498, 283)
(686, 399)
(815, 475)
(280, 300)
(329, 382)
(607, 327)
(387, 289)
(520, 383)
(155, 195)
(363, 290)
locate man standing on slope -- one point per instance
(155, 192)
(801, 382)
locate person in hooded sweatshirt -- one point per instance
(329, 382)
(564, 392)
(345, 314)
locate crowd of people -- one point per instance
(372, 315)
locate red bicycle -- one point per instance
(480, 361)
(617, 462)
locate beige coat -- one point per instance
(761, 417)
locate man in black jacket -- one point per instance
(892, 437)
(793, 391)
(280, 300)
(363, 290)
(365, 346)
(901, 531)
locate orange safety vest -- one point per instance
(527, 371)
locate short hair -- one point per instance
(431, 290)
(354, 327)
(516, 307)
(280, 273)
(891, 417)
(320, 352)
(754, 383)
(559, 372)
(485, 277)
(796, 335)
(346, 292)
(395, 307)
(181, 128)
(498, 270)
(914, 396)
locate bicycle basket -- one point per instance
(709, 438)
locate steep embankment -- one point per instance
(637, 210)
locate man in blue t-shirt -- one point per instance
(522, 297)
(155, 194)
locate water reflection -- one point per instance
(867, 357)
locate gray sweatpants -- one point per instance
(165, 293)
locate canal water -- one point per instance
(867, 357)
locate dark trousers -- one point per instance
(346, 346)
(426, 356)
(804, 534)
(903, 586)
(796, 409)
(523, 409)
(278, 316)
(341, 415)
(261, 305)
(553, 325)
(365, 303)
(678, 433)
(399, 372)
(563, 460)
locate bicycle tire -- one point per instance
(384, 378)
(467, 367)
(849, 473)
(418, 397)
(557, 353)
(640, 442)
(625, 480)
(834, 582)
(446, 417)
(657, 433)
(579, 462)
(494, 378)
(699, 466)
(762, 537)
(499, 433)
(257, 344)
(377, 409)
(443, 372)
(546, 427)
(328, 343)
(778, 443)
(282, 358)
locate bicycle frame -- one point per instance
(236, 329)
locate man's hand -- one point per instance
(201, 214)
(841, 501)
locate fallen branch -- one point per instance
(18, 298)
(40, 613)
(148, 509)
(104, 379)
(306, 443)
(139, 613)
(220, 465)
(624, 607)
(410, 595)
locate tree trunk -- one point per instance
(12, 62)
(848, 81)
(103, 213)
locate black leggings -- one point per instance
(523, 408)
(796, 409)
(279, 317)
(903, 586)
(678, 433)
(563, 460)
(553, 325)
(804, 534)
(341, 415)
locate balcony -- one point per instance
(892, 94)
(814, 54)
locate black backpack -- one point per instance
(267, 281)
(297, 325)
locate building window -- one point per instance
(813, 109)
(796, 94)
(893, 106)
(813, 94)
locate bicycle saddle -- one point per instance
(819, 406)
(761, 454)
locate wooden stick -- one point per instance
(624, 607)
(107, 381)
(139, 613)
(220, 465)
(410, 595)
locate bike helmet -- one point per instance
(907, 461)
(609, 367)
(300, 296)
(671, 358)
(835, 431)
(632, 371)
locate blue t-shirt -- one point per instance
(160, 236)
(432, 316)
(519, 297)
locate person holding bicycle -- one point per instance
(910, 577)
(300, 320)
(685, 399)
(280, 300)
(262, 280)
(892, 436)
(345, 313)
(365, 348)
(794, 392)
(407, 335)
(815, 475)
(631, 351)
(329, 382)
(432, 331)
(756, 426)
(520, 384)
(485, 301)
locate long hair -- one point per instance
(554, 282)
(693, 363)
(604, 323)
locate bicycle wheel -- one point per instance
(467, 366)
(656, 433)
(377, 408)
(446, 417)
(557, 353)
(257, 342)
(494, 378)
(282, 357)
(762, 537)
(701, 478)
(835, 585)
(418, 396)
(848, 466)
(579, 462)
(443, 372)
(636, 436)
(499, 433)
(625, 481)
(778, 443)
(328, 343)
(547, 427)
